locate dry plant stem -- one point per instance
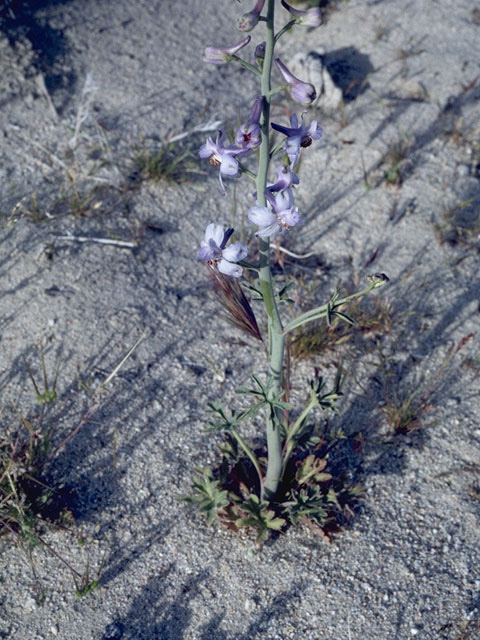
(53, 552)
(114, 243)
(276, 339)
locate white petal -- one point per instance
(283, 200)
(229, 166)
(214, 232)
(207, 149)
(230, 269)
(261, 216)
(270, 230)
(235, 252)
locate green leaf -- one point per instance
(344, 317)
(311, 469)
(207, 495)
(332, 497)
(307, 503)
(259, 517)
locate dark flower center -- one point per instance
(306, 142)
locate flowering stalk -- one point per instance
(274, 213)
(276, 338)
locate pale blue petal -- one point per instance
(204, 253)
(230, 269)
(283, 200)
(214, 232)
(229, 166)
(290, 217)
(261, 216)
(270, 230)
(208, 149)
(235, 252)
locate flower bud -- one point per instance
(378, 280)
(308, 18)
(260, 54)
(302, 92)
(216, 55)
(250, 20)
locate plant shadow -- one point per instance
(156, 617)
(53, 58)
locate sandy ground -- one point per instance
(408, 567)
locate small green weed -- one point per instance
(407, 406)
(394, 161)
(170, 162)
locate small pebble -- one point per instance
(249, 605)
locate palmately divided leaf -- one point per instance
(307, 503)
(207, 494)
(311, 469)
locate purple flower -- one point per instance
(302, 92)
(307, 18)
(298, 136)
(249, 135)
(221, 156)
(279, 216)
(284, 178)
(250, 20)
(215, 55)
(216, 254)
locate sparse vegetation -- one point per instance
(29, 504)
(394, 161)
(406, 404)
(372, 317)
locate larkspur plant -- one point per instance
(283, 482)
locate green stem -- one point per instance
(276, 149)
(248, 265)
(276, 339)
(289, 444)
(284, 29)
(245, 64)
(321, 312)
(250, 454)
(278, 89)
(247, 172)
